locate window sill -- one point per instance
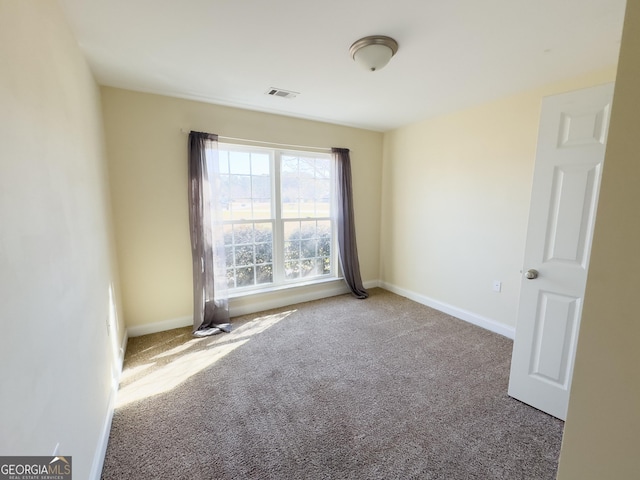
(252, 301)
(284, 287)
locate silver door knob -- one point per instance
(531, 274)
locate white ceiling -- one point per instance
(453, 53)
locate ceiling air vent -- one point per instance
(278, 92)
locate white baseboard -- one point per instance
(371, 284)
(266, 301)
(123, 349)
(258, 302)
(161, 326)
(101, 451)
(480, 321)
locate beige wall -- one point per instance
(602, 433)
(56, 268)
(148, 169)
(455, 198)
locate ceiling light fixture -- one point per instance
(373, 52)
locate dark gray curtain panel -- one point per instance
(347, 249)
(210, 304)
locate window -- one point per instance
(276, 209)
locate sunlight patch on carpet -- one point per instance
(171, 375)
(182, 364)
(131, 372)
(260, 324)
(176, 350)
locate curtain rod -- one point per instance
(183, 130)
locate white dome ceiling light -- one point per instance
(373, 52)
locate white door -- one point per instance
(566, 180)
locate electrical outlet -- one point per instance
(497, 286)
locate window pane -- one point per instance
(323, 198)
(244, 187)
(291, 270)
(308, 248)
(231, 278)
(290, 187)
(223, 192)
(240, 209)
(324, 246)
(241, 234)
(307, 268)
(248, 245)
(306, 167)
(244, 255)
(307, 208)
(260, 164)
(292, 230)
(305, 190)
(221, 162)
(326, 265)
(261, 208)
(263, 232)
(308, 229)
(324, 237)
(264, 274)
(240, 186)
(240, 162)
(244, 277)
(228, 234)
(289, 165)
(290, 210)
(228, 251)
(292, 250)
(264, 253)
(323, 168)
(290, 200)
(261, 186)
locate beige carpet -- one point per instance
(341, 388)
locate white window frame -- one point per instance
(279, 280)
